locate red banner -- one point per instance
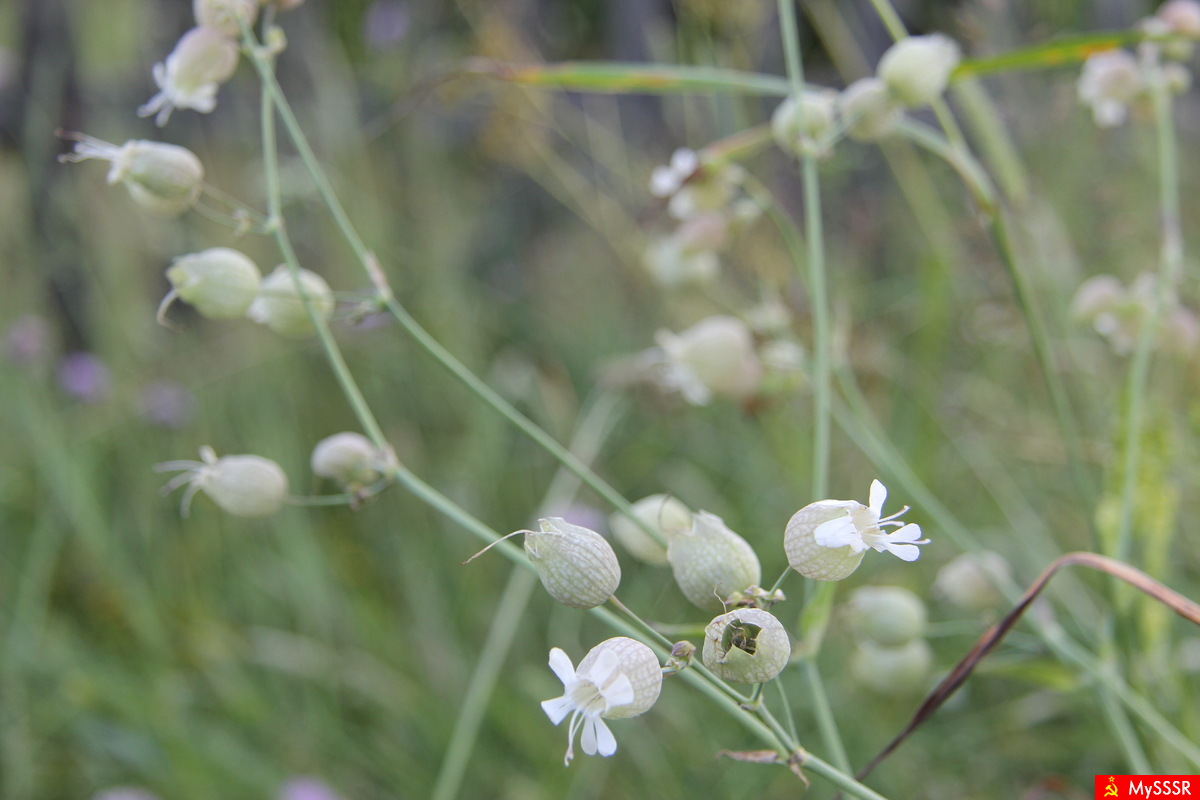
(1129, 787)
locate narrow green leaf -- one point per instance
(613, 77)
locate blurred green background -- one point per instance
(213, 657)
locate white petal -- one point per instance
(602, 668)
(618, 693)
(557, 709)
(839, 532)
(878, 496)
(907, 552)
(663, 182)
(909, 533)
(605, 741)
(560, 662)
(684, 161)
(588, 740)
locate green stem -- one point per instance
(1170, 269)
(333, 353)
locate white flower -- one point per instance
(714, 357)
(667, 180)
(862, 526)
(1110, 81)
(618, 678)
(202, 60)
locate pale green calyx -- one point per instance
(163, 178)
(280, 306)
(348, 458)
(893, 670)
(826, 540)
(868, 110)
(577, 565)
(659, 512)
(242, 485)
(202, 60)
(747, 645)
(711, 562)
(801, 123)
(917, 69)
(888, 615)
(220, 282)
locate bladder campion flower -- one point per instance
(869, 110)
(826, 540)
(280, 307)
(710, 562)
(219, 282)
(888, 615)
(227, 16)
(244, 485)
(202, 60)
(164, 178)
(662, 513)
(617, 679)
(348, 458)
(917, 69)
(577, 565)
(714, 357)
(801, 122)
(1110, 81)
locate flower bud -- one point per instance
(713, 357)
(711, 562)
(244, 485)
(202, 60)
(226, 16)
(868, 110)
(799, 125)
(164, 178)
(747, 645)
(888, 615)
(348, 458)
(662, 513)
(577, 566)
(220, 283)
(813, 560)
(280, 307)
(917, 70)
(892, 670)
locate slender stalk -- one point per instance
(1170, 269)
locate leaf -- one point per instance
(615, 77)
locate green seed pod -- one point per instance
(220, 283)
(577, 566)
(280, 308)
(662, 513)
(243, 485)
(747, 645)
(711, 562)
(813, 560)
(893, 670)
(347, 458)
(888, 615)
